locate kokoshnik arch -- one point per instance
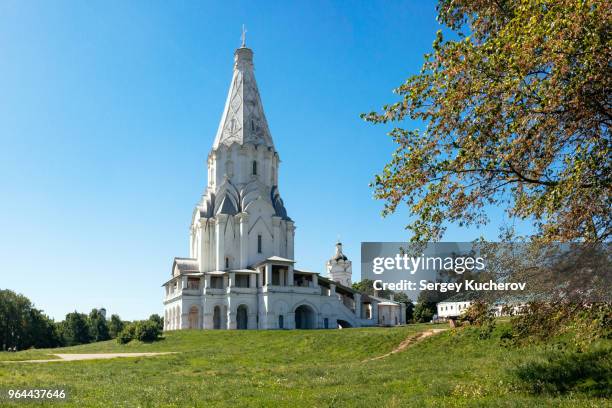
(240, 274)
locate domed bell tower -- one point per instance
(339, 268)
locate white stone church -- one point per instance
(240, 272)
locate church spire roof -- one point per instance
(243, 120)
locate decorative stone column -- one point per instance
(268, 274)
(357, 299)
(290, 275)
(206, 281)
(290, 236)
(252, 280)
(243, 218)
(375, 312)
(220, 241)
(231, 319)
(204, 249)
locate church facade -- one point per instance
(240, 271)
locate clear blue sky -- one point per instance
(109, 108)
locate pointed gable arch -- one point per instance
(260, 222)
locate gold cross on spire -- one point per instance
(244, 31)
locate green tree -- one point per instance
(98, 326)
(127, 334)
(22, 326)
(115, 326)
(142, 330)
(426, 308)
(424, 312)
(75, 329)
(147, 330)
(516, 111)
(159, 321)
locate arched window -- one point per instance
(326, 323)
(259, 244)
(226, 262)
(217, 317)
(281, 322)
(254, 167)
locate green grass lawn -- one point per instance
(291, 368)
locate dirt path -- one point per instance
(409, 341)
(97, 356)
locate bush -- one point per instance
(541, 322)
(563, 372)
(145, 330)
(126, 334)
(479, 314)
(159, 321)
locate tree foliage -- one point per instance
(142, 330)
(367, 286)
(517, 110)
(115, 326)
(75, 329)
(22, 326)
(98, 326)
(158, 320)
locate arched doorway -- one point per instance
(217, 317)
(343, 324)
(242, 317)
(304, 317)
(194, 317)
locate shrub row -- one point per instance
(145, 330)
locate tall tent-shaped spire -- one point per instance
(243, 120)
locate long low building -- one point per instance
(451, 309)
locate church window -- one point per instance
(326, 323)
(259, 244)
(226, 262)
(252, 125)
(254, 168)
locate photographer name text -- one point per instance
(448, 286)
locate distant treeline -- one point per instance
(22, 326)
